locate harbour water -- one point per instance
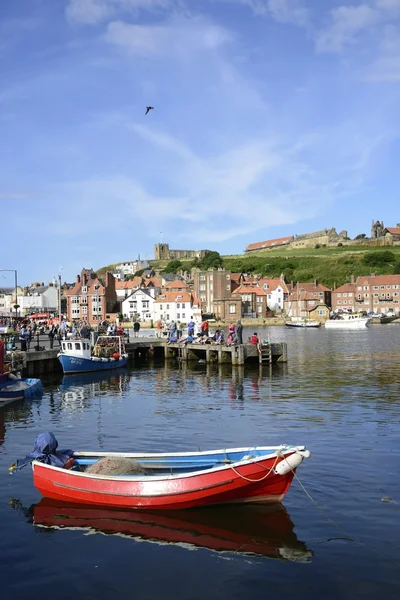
(339, 394)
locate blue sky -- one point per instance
(272, 117)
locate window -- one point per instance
(178, 305)
(339, 302)
(388, 287)
(232, 308)
(183, 305)
(344, 295)
(382, 287)
(269, 296)
(69, 346)
(366, 287)
(84, 300)
(160, 306)
(376, 287)
(359, 287)
(320, 312)
(84, 289)
(167, 306)
(183, 316)
(351, 295)
(178, 315)
(84, 310)
(202, 288)
(203, 298)
(339, 295)
(376, 295)
(77, 346)
(228, 276)
(130, 304)
(228, 287)
(259, 309)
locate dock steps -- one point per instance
(265, 354)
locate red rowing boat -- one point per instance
(259, 474)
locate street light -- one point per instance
(59, 297)
(16, 286)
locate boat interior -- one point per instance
(133, 465)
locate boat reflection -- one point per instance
(83, 386)
(252, 530)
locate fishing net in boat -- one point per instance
(115, 466)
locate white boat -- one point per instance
(348, 321)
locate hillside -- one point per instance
(329, 265)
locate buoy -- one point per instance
(116, 356)
(289, 463)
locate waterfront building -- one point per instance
(38, 298)
(92, 299)
(139, 305)
(177, 306)
(371, 293)
(306, 298)
(277, 291)
(213, 284)
(253, 299)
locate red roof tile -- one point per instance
(269, 243)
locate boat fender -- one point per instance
(289, 463)
(111, 359)
(104, 360)
(96, 359)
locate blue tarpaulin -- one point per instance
(44, 450)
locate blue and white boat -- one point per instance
(76, 355)
(19, 388)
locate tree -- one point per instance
(360, 236)
(211, 260)
(378, 259)
(173, 266)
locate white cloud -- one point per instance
(179, 36)
(91, 12)
(283, 11)
(346, 23)
(386, 67)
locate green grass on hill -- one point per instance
(328, 265)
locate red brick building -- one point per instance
(91, 299)
(370, 293)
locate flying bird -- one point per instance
(148, 109)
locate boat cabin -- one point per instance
(79, 348)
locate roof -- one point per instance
(40, 289)
(174, 297)
(139, 291)
(249, 289)
(393, 230)
(378, 280)
(269, 243)
(273, 283)
(312, 287)
(128, 285)
(175, 285)
(6, 290)
(171, 277)
(91, 283)
(346, 287)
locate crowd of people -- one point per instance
(200, 334)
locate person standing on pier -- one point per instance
(191, 327)
(239, 331)
(51, 335)
(136, 328)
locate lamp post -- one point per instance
(16, 286)
(59, 297)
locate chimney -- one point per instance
(84, 279)
(372, 274)
(315, 282)
(78, 279)
(352, 280)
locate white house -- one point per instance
(129, 268)
(38, 299)
(140, 304)
(176, 306)
(277, 291)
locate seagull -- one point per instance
(148, 109)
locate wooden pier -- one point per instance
(46, 362)
(234, 355)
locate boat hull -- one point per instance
(11, 389)
(303, 325)
(77, 364)
(252, 480)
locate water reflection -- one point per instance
(253, 530)
(77, 390)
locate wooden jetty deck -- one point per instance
(45, 361)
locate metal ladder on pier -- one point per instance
(180, 353)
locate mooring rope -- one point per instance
(261, 478)
(348, 537)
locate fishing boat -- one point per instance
(13, 386)
(76, 355)
(159, 481)
(265, 531)
(348, 321)
(303, 323)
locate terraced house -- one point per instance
(370, 293)
(92, 299)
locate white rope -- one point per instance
(261, 478)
